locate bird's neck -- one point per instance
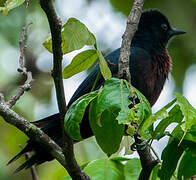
(149, 43)
(160, 57)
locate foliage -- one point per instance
(112, 107)
(109, 119)
(7, 5)
(75, 35)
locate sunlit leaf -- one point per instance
(105, 70)
(154, 174)
(104, 169)
(191, 134)
(115, 94)
(80, 62)
(188, 111)
(175, 115)
(8, 5)
(75, 35)
(75, 114)
(151, 119)
(161, 114)
(132, 169)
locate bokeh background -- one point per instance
(107, 20)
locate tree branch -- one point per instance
(11, 117)
(147, 160)
(55, 27)
(31, 131)
(22, 69)
(132, 24)
(143, 149)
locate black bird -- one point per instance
(149, 68)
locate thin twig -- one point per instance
(154, 152)
(22, 69)
(72, 167)
(27, 3)
(33, 170)
(11, 117)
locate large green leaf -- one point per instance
(110, 133)
(75, 35)
(75, 114)
(175, 115)
(104, 169)
(9, 5)
(115, 94)
(80, 62)
(132, 169)
(170, 156)
(188, 111)
(191, 134)
(105, 70)
(187, 166)
(154, 174)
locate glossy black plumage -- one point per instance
(149, 67)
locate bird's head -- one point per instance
(155, 27)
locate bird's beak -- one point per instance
(174, 32)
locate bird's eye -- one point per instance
(164, 26)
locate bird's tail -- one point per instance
(51, 126)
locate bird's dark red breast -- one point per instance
(150, 65)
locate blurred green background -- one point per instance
(107, 20)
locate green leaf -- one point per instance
(104, 169)
(143, 108)
(115, 94)
(132, 169)
(67, 178)
(105, 70)
(150, 120)
(120, 159)
(161, 114)
(191, 134)
(80, 62)
(187, 166)
(131, 130)
(175, 115)
(9, 5)
(2, 2)
(188, 111)
(154, 174)
(170, 156)
(75, 114)
(75, 35)
(109, 131)
(125, 145)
